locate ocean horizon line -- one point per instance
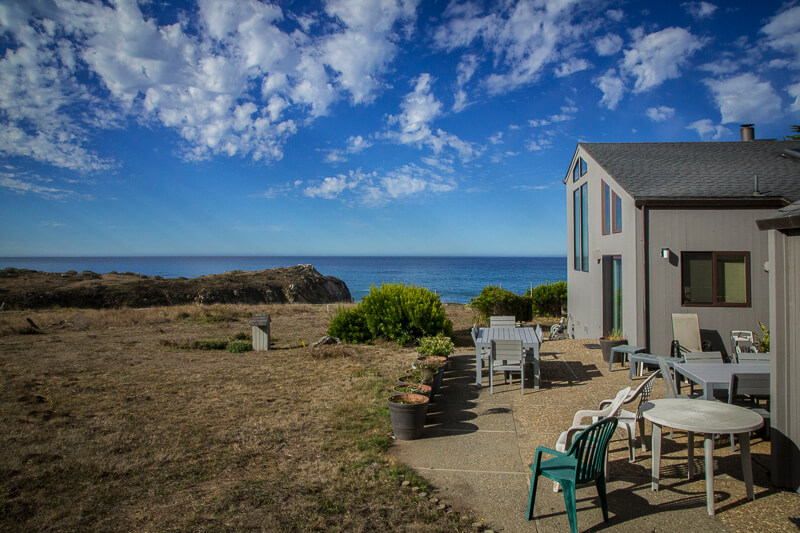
(188, 256)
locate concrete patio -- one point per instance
(477, 448)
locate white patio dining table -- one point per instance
(716, 376)
(708, 418)
(487, 335)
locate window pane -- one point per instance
(617, 213)
(576, 227)
(575, 171)
(585, 227)
(583, 167)
(731, 279)
(606, 209)
(697, 284)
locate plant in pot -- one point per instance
(412, 377)
(432, 370)
(407, 413)
(613, 339)
(413, 388)
(439, 346)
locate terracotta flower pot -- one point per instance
(414, 388)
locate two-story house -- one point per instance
(662, 228)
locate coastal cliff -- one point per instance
(32, 289)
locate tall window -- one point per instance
(580, 228)
(715, 279)
(579, 169)
(612, 211)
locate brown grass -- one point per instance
(106, 428)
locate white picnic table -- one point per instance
(708, 418)
(486, 335)
(717, 376)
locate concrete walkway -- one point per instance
(477, 447)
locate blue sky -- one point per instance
(355, 127)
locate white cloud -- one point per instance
(76, 66)
(571, 66)
(794, 91)
(706, 129)
(615, 14)
(374, 189)
(720, 67)
(654, 58)
(699, 10)
(613, 88)
(660, 113)
(745, 98)
(497, 138)
(783, 33)
(524, 37)
(466, 69)
(355, 144)
(535, 145)
(419, 108)
(608, 45)
(538, 123)
(25, 185)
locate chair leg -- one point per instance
(631, 446)
(571, 505)
(642, 433)
(534, 484)
(601, 491)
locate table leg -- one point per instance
(747, 465)
(691, 454)
(708, 391)
(656, 456)
(478, 365)
(709, 449)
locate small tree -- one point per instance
(795, 136)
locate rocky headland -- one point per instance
(32, 289)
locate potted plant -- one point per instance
(411, 377)
(613, 339)
(438, 346)
(413, 388)
(432, 371)
(407, 413)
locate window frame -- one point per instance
(580, 228)
(605, 200)
(579, 170)
(714, 279)
(616, 217)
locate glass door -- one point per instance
(612, 293)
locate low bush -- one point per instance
(548, 298)
(210, 344)
(404, 313)
(240, 346)
(398, 312)
(350, 325)
(439, 346)
(496, 301)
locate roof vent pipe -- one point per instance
(756, 192)
(747, 132)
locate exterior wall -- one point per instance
(784, 264)
(704, 230)
(585, 289)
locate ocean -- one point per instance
(455, 279)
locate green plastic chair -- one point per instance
(582, 463)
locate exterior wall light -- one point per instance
(665, 253)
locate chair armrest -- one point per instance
(577, 420)
(604, 404)
(545, 449)
(571, 432)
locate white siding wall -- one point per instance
(585, 289)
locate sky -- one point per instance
(355, 127)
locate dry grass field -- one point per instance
(113, 421)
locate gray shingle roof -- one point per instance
(701, 169)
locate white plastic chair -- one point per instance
(629, 420)
(565, 439)
(511, 359)
(742, 342)
(502, 322)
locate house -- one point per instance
(783, 230)
(662, 228)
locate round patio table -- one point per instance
(709, 418)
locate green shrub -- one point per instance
(210, 344)
(762, 341)
(548, 298)
(404, 313)
(496, 301)
(241, 336)
(239, 346)
(350, 325)
(439, 346)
